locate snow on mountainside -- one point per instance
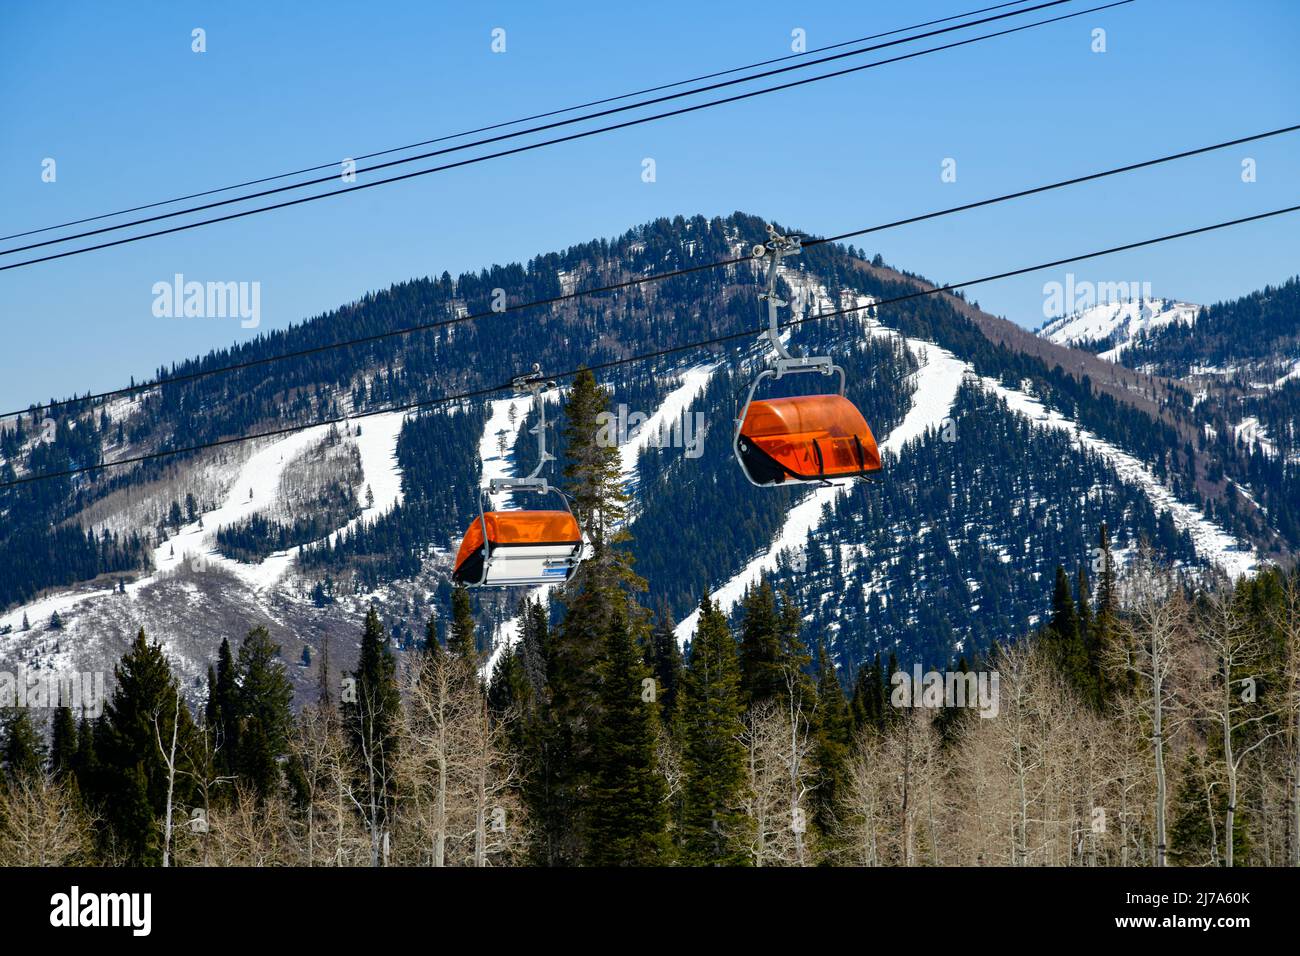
(937, 383)
(1212, 543)
(1117, 324)
(189, 574)
(193, 593)
(938, 380)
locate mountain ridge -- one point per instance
(399, 553)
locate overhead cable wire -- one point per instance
(347, 190)
(642, 280)
(502, 125)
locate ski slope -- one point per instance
(938, 379)
(1123, 320)
(1212, 543)
(254, 489)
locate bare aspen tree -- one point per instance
(1153, 637)
(863, 818)
(329, 824)
(796, 757)
(432, 719)
(1228, 694)
(908, 755)
(490, 773)
(778, 778)
(42, 823)
(201, 753)
(1133, 787)
(169, 760)
(254, 831)
(457, 778)
(370, 796)
(1015, 734)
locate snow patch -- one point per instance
(1212, 543)
(255, 489)
(1123, 320)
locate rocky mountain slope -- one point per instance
(1005, 453)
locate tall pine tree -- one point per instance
(140, 714)
(627, 817)
(714, 829)
(264, 697)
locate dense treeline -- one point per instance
(1148, 721)
(1251, 344)
(950, 549)
(1253, 328)
(38, 550)
(63, 556)
(258, 536)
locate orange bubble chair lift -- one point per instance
(805, 438)
(514, 547)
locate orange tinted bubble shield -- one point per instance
(506, 528)
(808, 437)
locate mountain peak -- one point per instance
(1108, 328)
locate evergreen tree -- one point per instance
(507, 688)
(1107, 601)
(795, 659)
(536, 736)
(263, 699)
(577, 648)
(1082, 590)
(1064, 636)
(1064, 624)
(221, 714)
(63, 743)
(143, 710)
(1091, 687)
(713, 758)
(432, 640)
(832, 733)
(371, 721)
(22, 755)
(85, 764)
(462, 643)
(664, 658)
(760, 646)
(869, 701)
(594, 468)
(626, 815)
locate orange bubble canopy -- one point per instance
(519, 529)
(807, 437)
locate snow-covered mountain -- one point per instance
(1000, 464)
(1111, 327)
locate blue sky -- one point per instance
(130, 114)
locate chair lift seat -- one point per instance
(806, 438)
(524, 547)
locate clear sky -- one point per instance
(115, 95)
